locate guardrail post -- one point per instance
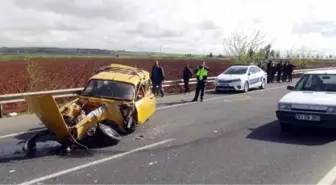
(1, 110)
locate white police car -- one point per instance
(241, 78)
(312, 102)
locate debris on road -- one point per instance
(139, 137)
(151, 163)
(12, 114)
(12, 171)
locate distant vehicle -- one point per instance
(312, 102)
(241, 78)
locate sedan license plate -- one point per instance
(225, 84)
(304, 117)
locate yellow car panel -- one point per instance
(145, 108)
(47, 111)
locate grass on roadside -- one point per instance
(9, 57)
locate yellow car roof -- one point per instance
(118, 72)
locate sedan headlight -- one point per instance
(284, 106)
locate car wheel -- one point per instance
(263, 84)
(246, 87)
(108, 133)
(131, 126)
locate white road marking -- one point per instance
(329, 178)
(166, 107)
(19, 133)
(57, 174)
(217, 98)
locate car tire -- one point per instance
(133, 126)
(263, 84)
(246, 87)
(284, 128)
(107, 133)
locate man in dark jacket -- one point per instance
(201, 76)
(260, 65)
(284, 73)
(289, 70)
(279, 69)
(157, 77)
(269, 71)
(187, 74)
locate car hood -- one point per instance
(229, 77)
(300, 97)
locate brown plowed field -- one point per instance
(71, 73)
(64, 74)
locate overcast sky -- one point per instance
(196, 26)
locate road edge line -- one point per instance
(19, 133)
(221, 97)
(63, 172)
(329, 178)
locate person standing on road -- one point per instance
(260, 65)
(289, 71)
(268, 71)
(279, 70)
(187, 74)
(157, 77)
(201, 76)
(285, 73)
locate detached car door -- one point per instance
(146, 106)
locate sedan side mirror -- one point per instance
(290, 87)
(249, 73)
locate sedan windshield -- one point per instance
(109, 89)
(236, 71)
(317, 82)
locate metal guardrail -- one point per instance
(66, 93)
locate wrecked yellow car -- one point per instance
(114, 102)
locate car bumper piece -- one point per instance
(229, 87)
(288, 117)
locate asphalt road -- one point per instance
(229, 138)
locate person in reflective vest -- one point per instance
(201, 76)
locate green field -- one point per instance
(9, 57)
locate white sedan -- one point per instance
(241, 78)
(311, 102)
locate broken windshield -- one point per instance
(109, 89)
